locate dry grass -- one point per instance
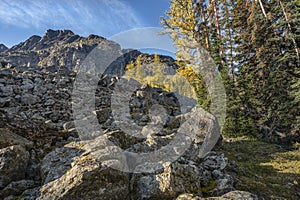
(267, 170)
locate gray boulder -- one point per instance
(16, 188)
(29, 99)
(88, 179)
(56, 163)
(214, 161)
(13, 164)
(175, 179)
(213, 179)
(6, 90)
(8, 138)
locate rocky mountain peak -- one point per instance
(92, 36)
(55, 37)
(58, 33)
(3, 48)
(59, 48)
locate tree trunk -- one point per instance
(290, 29)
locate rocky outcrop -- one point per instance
(28, 45)
(71, 173)
(117, 68)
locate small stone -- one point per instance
(214, 160)
(6, 91)
(29, 99)
(49, 102)
(5, 102)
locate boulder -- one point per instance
(8, 138)
(29, 99)
(13, 164)
(239, 195)
(5, 102)
(17, 188)
(175, 179)
(88, 179)
(6, 91)
(5, 73)
(214, 161)
(30, 194)
(56, 163)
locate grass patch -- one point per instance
(267, 170)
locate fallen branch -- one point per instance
(269, 130)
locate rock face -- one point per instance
(42, 157)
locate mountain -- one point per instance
(64, 49)
(3, 48)
(59, 48)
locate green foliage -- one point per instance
(210, 186)
(296, 93)
(239, 126)
(197, 83)
(255, 47)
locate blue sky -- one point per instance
(20, 19)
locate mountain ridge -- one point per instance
(3, 48)
(64, 49)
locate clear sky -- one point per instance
(20, 19)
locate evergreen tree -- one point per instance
(255, 45)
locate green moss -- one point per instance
(18, 197)
(210, 186)
(194, 190)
